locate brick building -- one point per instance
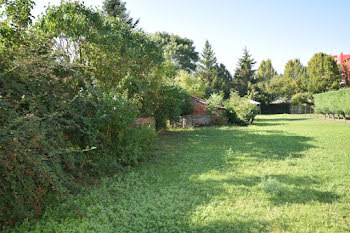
(344, 61)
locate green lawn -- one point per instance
(286, 173)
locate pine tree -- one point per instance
(117, 8)
(207, 69)
(244, 75)
(223, 82)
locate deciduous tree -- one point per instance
(324, 73)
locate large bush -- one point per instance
(55, 127)
(239, 110)
(171, 103)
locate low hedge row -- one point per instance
(333, 102)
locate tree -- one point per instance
(259, 91)
(207, 68)
(244, 75)
(16, 17)
(193, 85)
(324, 73)
(346, 72)
(117, 8)
(223, 81)
(296, 75)
(178, 49)
(266, 71)
(279, 88)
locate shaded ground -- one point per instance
(214, 180)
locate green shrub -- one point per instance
(218, 115)
(171, 103)
(333, 102)
(213, 102)
(239, 110)
(56, 128)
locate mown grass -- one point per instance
(286, 173)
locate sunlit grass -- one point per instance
(286, 173)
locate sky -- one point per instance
(279, 30)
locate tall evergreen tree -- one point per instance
(207, 68)
(223, 82)
(244, 74)
(117, 8)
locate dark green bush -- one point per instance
(56, 128)
(172, 103)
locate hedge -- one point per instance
(333, 102)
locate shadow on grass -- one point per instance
(303, 195)
(258, 123)
(301, 191)
(267, 144)
(281, 119)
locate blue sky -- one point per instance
(275, 29)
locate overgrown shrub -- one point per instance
(56, 127)
(172, 103)
(239, 110)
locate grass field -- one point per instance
(286, 173)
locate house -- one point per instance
(258, 104)
(199, 106)
(200, 116)
(341, 60)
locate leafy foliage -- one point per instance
(239, 110)
(193, 85)
(214, 101)
(71, 87)
(214, 106)
(324, 73)
(177, 49)
(266, 71)
(333, 102)
(296, 76)
(172, 103)
(302, 98)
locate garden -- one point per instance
(78, 88)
